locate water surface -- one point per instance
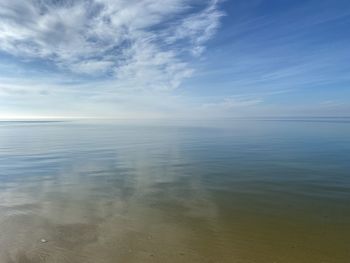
(233, 191)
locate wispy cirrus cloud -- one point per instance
(140, 44)
(233, 102)
(109, 57)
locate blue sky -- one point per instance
(174, 58)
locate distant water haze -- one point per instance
(178, 191)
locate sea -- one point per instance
(233, 190)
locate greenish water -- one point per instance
(233, 191)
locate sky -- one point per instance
(174, 58)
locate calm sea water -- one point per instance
(233, 191)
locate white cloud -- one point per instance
(139, 42)
(94, 67)
(198, 28)
(233, 103)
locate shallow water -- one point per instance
(234, 191)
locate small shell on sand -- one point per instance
(43, 240)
